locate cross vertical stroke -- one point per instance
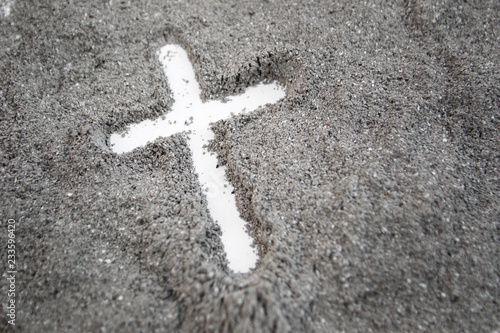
(189, 114)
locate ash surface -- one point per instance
(372, 188)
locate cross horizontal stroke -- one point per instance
(189, 114)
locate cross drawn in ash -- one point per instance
(189, 114)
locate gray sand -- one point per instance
(372, 188)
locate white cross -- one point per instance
(189, 114)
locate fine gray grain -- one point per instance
(372, 188)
